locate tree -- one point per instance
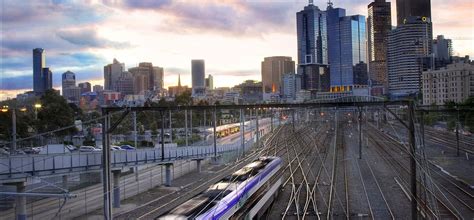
(55, 114)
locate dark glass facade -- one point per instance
(346, 49)
(412, 8)
(312, 36)
(316, 77)
(39, 63)
(198, 76)
(379, 24)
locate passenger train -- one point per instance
(243, 194)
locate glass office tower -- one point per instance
(346, 50)
(312, 48)
(39, 62)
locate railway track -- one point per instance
(296, 199)
(160, 205)
(444, 207)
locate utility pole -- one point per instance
(215, 134)
(171, 128)
(271, 120)
(242, 130)
(293, 119)
(422, 125)
(162, 135)
(14, 131)
(412, 150)
(457, 134)
(256, 124)
(360, 133)
(186, 126)
(106, 167)
(135, 129)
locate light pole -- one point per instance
(6, 109)
(36, 107)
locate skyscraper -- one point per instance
(125, 84)
(412, 8)
(409, 46)
(68, 80)
(198, 77)
(42, 75)
(158, 78)
(346, 49)
(311, 27)
(210, 82)
(379, 24)
(39, 62)
(147, 77)
(291, 84)
(111, 73)
(47, 79)
(312, 35)
(442, 51)
(273, 69)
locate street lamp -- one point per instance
(5, 109)
(37, 106)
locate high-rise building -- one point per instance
(146, 77)
(39, 62)
(158, 78)
(42, 75)
(85, 87)
(312, 34)
(68, 80)
(412, 8)
(346, 49)
(291, 84)
(442, 51)
(125, 84)
(379, 24)
(409, 46)
(47, 79)
(198, 72)
(273, 69)
(97, 88)
(111, 73)
(210, 82)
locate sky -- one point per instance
(232, 36)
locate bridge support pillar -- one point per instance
(198, 164)
(168, 174)
(65, 181)
(116, 180)
(20, 200)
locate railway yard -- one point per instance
(332, 167)
(324, 176)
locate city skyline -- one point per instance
(86, 39)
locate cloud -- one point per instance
(88, 37)
(231, 17)
(18, 71)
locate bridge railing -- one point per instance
(21, 166)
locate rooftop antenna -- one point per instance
(310, 2)
(329, 3)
